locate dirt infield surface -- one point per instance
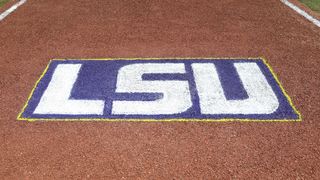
(42, 30)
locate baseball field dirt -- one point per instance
(41, 30)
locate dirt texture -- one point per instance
(41, 30)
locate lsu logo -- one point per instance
(159, 90)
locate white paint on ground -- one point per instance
(55, 99)
(11, 9)
(302, 12)
(262, 99)
(176, 94)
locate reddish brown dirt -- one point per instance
(41, 30)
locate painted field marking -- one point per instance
(302, 12)
(11, 9)
(159, 90)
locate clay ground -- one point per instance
(41, 30)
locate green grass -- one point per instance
(2, 2)
(312, 4)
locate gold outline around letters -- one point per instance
(166, 120)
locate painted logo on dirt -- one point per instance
(159, 90)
